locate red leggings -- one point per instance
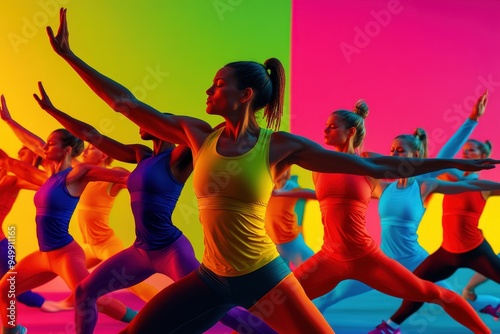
(39, 268)
(321, 273)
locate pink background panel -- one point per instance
(416, 64)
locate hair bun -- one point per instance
(420, 134)
(361, 108)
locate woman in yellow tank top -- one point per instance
(234, 170)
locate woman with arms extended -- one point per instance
(402, 205)
(55, 201)
(99, 241)
(463, 244)
(348, 251)
(238, 253)
(160, 247)
(10, 185)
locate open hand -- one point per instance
(3, 155)
(44, 102)
(469, 294)
(476, 164)
(4, 111)
(60, 42)
(479, 107)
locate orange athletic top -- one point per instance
(343, 200)
(8, 194)
(281, 221)
(93, 212)
(461, 213)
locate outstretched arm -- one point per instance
(296, 193)
(89, 173)
(27, 138)
(181, 130)
(23, 184)
(86, 132)
(82, 174)
(444, 187)
(24, 170)
(287, 149)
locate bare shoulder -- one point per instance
(196, 131)
(140, 151)
(283, 138)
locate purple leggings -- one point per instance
(134, 265)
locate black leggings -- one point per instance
(442, 264)
(196, 302)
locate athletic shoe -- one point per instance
(493, 311)
(384, 328)
(19, 329)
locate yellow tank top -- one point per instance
(93, 212)
(232, 197)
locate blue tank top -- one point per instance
(153, 194)
(400, 210)
(54, 208)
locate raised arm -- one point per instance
(86, 132)
(288, 149)
(24, 170)
(460, 137)
(27, 138)
(455, 143)
(181, 130)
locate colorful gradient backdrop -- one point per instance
(416, 63)
(419, 63)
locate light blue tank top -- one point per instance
(401, 211)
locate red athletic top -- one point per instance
(461, 213)
(343, 200)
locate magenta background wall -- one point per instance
(419, 63)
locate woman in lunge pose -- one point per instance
(238, 253)
(99, 241)
(348, 251)
(55, 202)
(463, 243)
(402, 205)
